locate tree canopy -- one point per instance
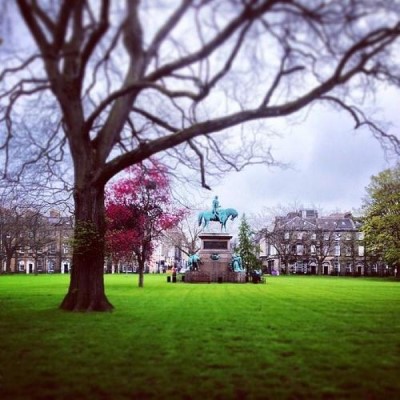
(139, 208)
(382, 216)
(121, 89)
(118, 82)
(247, 249)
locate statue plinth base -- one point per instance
(221, 277)
(215, 265)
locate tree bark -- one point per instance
(286, 269)
(86, 289)
(141, 271)
(141, 277)
(319, 269)
(9, 256)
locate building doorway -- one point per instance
(65, 268)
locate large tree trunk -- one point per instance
(86, 289)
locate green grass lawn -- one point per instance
(293, 338)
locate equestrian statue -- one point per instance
(217, 214)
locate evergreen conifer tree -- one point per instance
(246, 249)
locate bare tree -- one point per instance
(266, 218)
(23, 226)
(185, 236)
(13, 222)
(131, 80)
(12, 228)
(38, 234)
(322, 245)
(284, 239)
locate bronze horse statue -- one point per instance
(222, 217)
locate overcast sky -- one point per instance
(331, 164)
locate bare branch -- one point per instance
(166, 29)
(96, 35)
(247, 14)
(361, 120)
(20, 67)
(201, 160)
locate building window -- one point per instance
(52, 248)
(361, 251)
(348, 268)
(50, 266)
(336, 267)
(300, 267)
(299, 249)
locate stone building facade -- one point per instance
(302, 242)
(35, 243)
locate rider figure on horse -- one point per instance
(217, 214)
(215, 206)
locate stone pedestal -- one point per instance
(215, 255)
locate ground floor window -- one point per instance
(39, 266)
(336, 268)
(349, 269)
(299, 267)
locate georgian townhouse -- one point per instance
(35, 243)
(302, 242)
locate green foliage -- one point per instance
(86, 237)
(247, 249)
(382, 216)
(338, 339)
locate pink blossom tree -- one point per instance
(139, 209)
